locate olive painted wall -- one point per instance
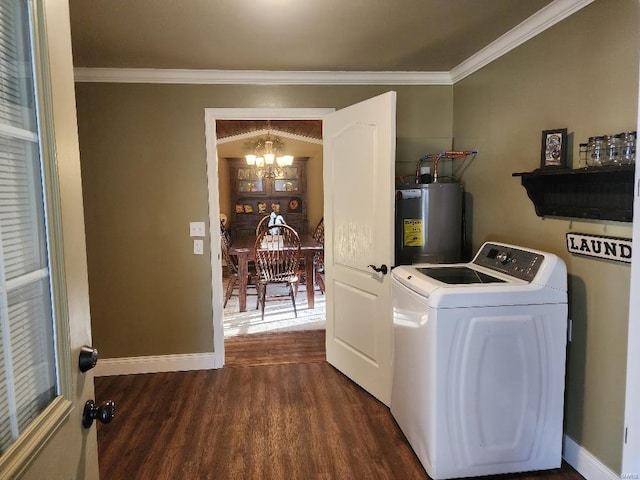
(144, 179)
(581, 74)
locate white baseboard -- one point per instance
(585, 463)
(155, 364)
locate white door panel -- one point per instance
(359, 156)
(353, 196)
(358, 334)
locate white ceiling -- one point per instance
(292, 35)
(300, 41)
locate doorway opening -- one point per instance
(225, 321)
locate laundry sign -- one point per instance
(610, 248)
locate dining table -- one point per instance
(243, 248)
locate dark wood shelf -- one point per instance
(603, 193)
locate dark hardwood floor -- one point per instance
(276, 411)
(275, 348)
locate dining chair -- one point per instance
(262, 224)
(318, 258)
(318, 233)
(224, 232)
(277, 257)
(232, 267)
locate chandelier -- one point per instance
(264, 156)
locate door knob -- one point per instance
(88, 358)
(381, 269)
(104, 412)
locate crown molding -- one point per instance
(537, 23)
(540, 21)
(257, 77)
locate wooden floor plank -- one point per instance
(283, 419)
(275, 348)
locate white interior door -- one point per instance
(359, 158)
(631, 439)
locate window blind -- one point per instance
(27, 358)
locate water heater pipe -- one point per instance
(451, 154)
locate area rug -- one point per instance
(278, 313)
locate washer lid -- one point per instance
(485, 288)
(458, 275)
(427, 278)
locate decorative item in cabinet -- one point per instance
(288, 181)
(253, 196)
(248, 181)
(603, 193)
(294, 205)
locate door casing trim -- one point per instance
(210, 117)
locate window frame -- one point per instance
(25, 449)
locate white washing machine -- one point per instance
(479, 361)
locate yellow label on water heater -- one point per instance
(412, 232)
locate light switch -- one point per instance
(198, 247)
(196, 229)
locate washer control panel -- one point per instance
(522, 264)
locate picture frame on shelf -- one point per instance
(554, 149)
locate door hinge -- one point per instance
(626, 432)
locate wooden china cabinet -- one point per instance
(253, 196)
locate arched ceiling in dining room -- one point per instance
(311, 129)
(300, 137)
